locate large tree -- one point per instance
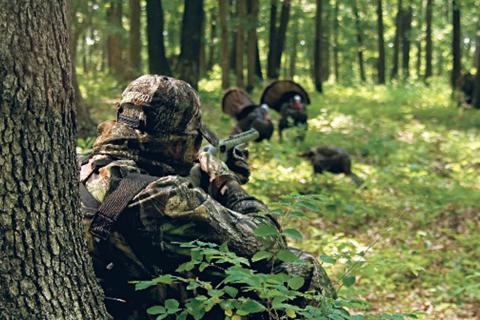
(240, 43)
(381, 44)
(252, 43)
(281, 36)
(396, 40)
(359, 35)
(476, 90)
(45, 271)
(190, 42)
(157, 60)
(272, 38)
(115, 61)
(336, 44)
(407, 16)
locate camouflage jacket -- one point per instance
(144, 241)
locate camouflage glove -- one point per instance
(237, 162)
(218, 173)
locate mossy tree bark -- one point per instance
(45, 271)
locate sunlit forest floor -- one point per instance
(410, 236)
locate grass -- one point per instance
(418, 214)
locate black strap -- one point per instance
(113, 205)
(90, 204)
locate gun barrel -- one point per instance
(238, 139)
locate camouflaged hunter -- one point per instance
(139, 202)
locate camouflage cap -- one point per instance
(160, 105)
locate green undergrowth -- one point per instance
(407, 240)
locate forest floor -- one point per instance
(410, 236)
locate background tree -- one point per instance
(456, 45)
(476, 90)
(115, 48)
(318, 48)
(252, 44)
(381, 44)
(272, 38)
(406, 22)
(396, 41)
(188, 62)
(281, 35)
(224, 52)
(135, 38)
(157, 61)
(428, 40)
(359, 36)
(240, 43)
(336, 45)
(45, 270)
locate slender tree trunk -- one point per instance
(428, 40)
(135, 39)
(326, 41)
(476, 90)
(419, 42)
(317, 60)
(381, 44)
(202, 59)
(233, 43)
(456, 45)
(188, 62)
(224, 54)
(240, 43)
(396, 42)
(258, 65)
(157, 61)
(115, 48)
(213, 37)
(252, 43)
(272, 38)
(281, 36)
(406, 28)
(336, 48)
(359, 36)
(293, 49)
(45, 271)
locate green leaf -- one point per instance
(286, 256)
(293, 233)
(164, 279)
(156, 310)
(187, 266)
(328, 259)
(296, 283)
(261, 255)
(348, 281)
(172, 305)
(144, 285)
(266, 230)
(231, 291)
(251, 306)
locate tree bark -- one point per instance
(224, 46)
(406, 28)
(428, 40)
(396, 42)
(240, 43)
(135, 40)
(476, 90)
(272, 38)
(326, 41)
(317, 60)
(419, 42)
(359, 35)
(456, 45)
(381, 44)
(252, 43)
(258, 65)
(157, 60)
(336, 49)
(293, 50)
(281, 35)
(188, 62)
(45, 271)
(114, 39)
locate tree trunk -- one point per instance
(258, 65)
(396, 42)
(336, 49)
(45, 271)
(476, 90)
(456, 45)
(213, 36)
(240, 43)
(202, 59)
(419, 42)
(188, 62)
(428, 40)
(359, 36)
(224, 54)
(157, 60)
(281, 35)
(381, 44)
(406, 28)
(252, 43)
(326, 41)
(293, 49)
(272, 38)
(134, 40)
(317, 60)
(114, 39)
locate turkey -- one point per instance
(465, 83)
(332, 159)
(237, 103)
(290, 100)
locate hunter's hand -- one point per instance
(237, 162)
(213, 167)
